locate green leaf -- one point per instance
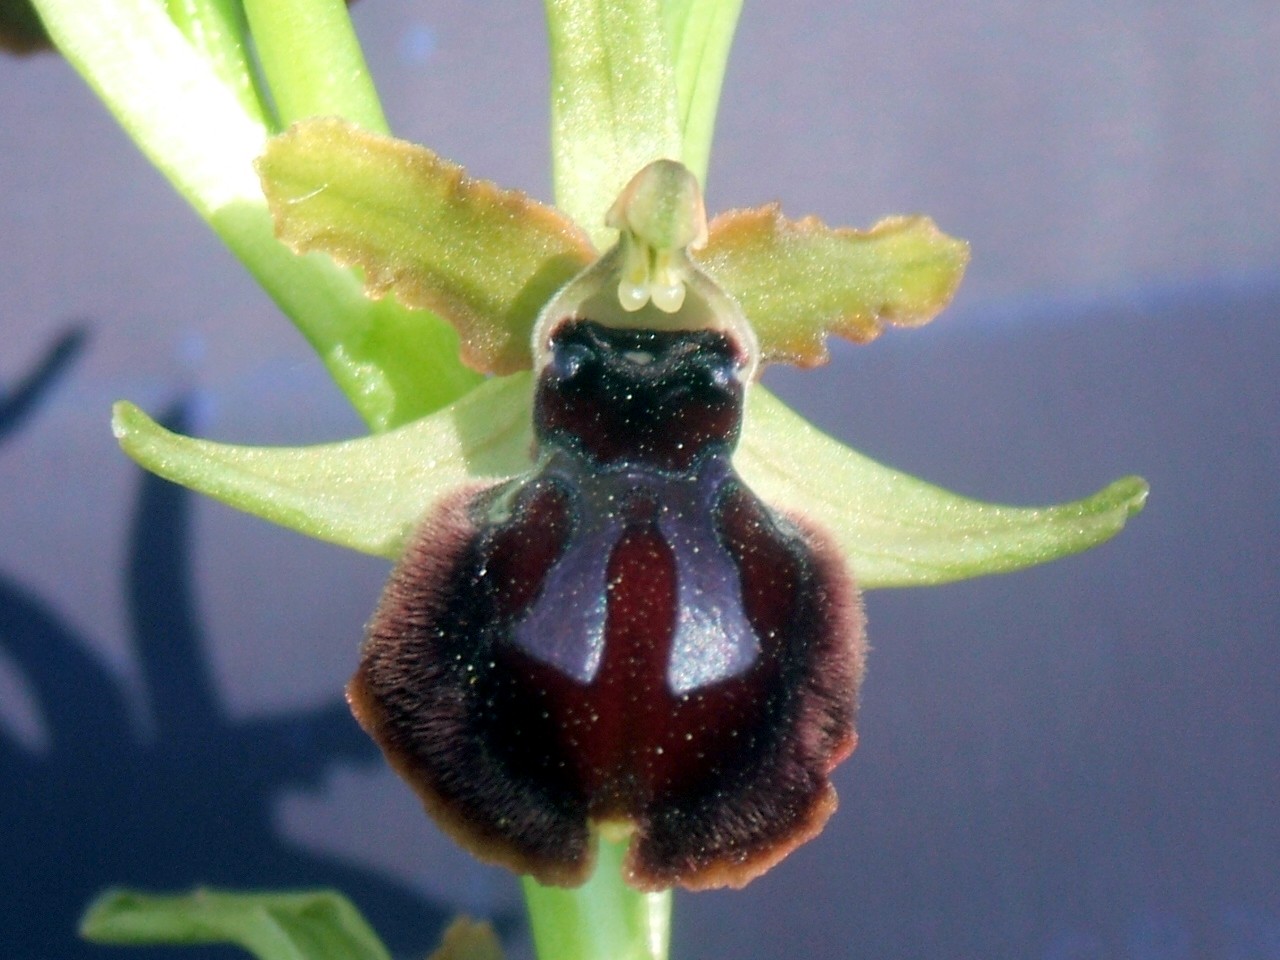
(603, 918)
(613, 102)
(898, 531)
(699, 33)
(313, 61)
(486, 259)
(272, 926)
(798, 280)
(366, 494)
(393, 364)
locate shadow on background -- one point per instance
(17, 403)
(189, 804)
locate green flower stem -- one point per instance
(313, 61)
(219, 31)
(604, 919)
(193, 126)
(172, 101)
(393, 364)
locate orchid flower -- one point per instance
(430, 296)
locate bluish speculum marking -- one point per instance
(710, 638)
(678, 402)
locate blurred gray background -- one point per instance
(1077, 762)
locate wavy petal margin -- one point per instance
(484, 258)
(799, 280)
(487, 259)
(367, 494)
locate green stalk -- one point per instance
(217, 29)
(604, 919)
(392, 363)
(313, 61)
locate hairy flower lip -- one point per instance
(624, 634)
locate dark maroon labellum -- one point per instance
(626, 635)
